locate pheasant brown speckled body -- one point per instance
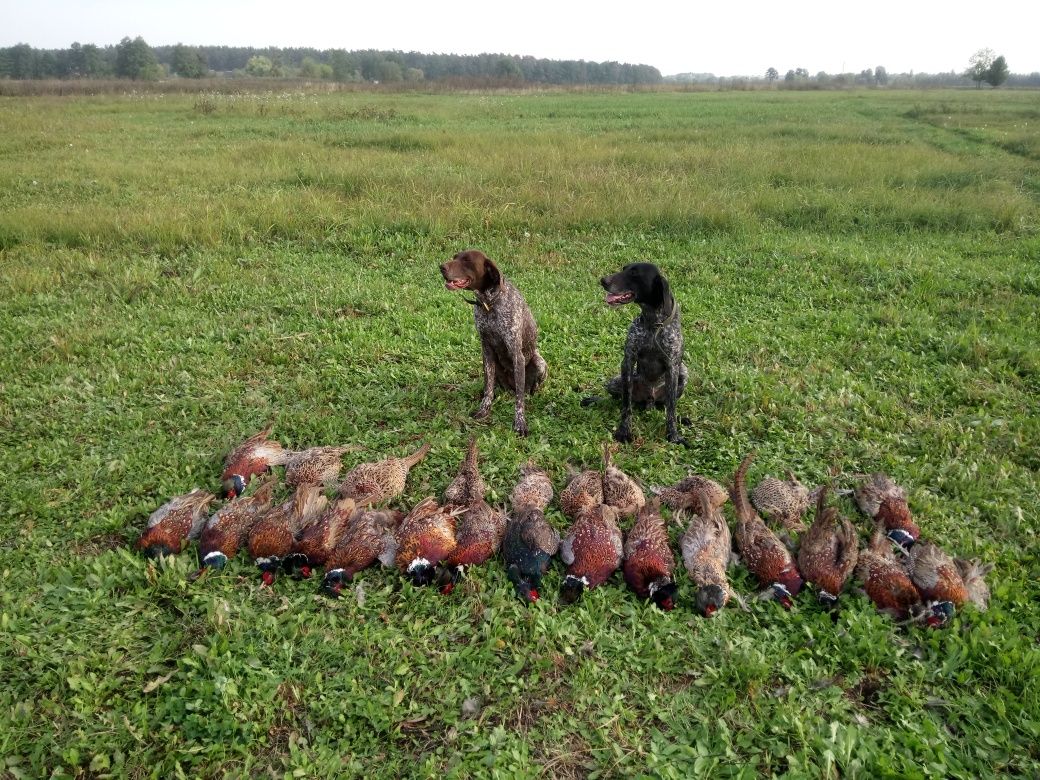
(228, 529)
(314, 466)
(583, 492)
(592, 551)
(973, 572)
(172, 525)
(275, 534)
(935, 574)
(620, 490)
(706, 546)
(468, 485)
(828, 552)
(368, 537)
(885, 580)
(424, 539)
(317, 540)
(370, 484)
(649, 561)
(762, 552)
(782, 501)
(252, 457)
(533, 491)
(879, 498)
(685, 494)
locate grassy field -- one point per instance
(860, 281)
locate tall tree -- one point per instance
(978, 65)
(772, 75)
(880, 75)
(997, 73)
(188, 62)
(136, 60)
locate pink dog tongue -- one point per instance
(456, 284)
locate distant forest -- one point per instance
(135, 59)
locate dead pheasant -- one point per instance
(318, 539)
(881, 499)
(252, 457)
(424, 539)
(828, 552)
(468, 485)
(478, 536)
(706, 546)
(528, 547)
(534, 490)
(375, 483)
(174, 523)
(583, 492)
(592, 551)
(782, 501)
(649, 561)
(478, 528)
(314, 466)
(762, 552)
(273, 537)
(367, 537)
(620, 490)
(886, 581)
(228, 529)
(936, 576)
(685, 494)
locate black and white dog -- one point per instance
(652, 370)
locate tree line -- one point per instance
(135, 59)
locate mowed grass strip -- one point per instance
(859, 282)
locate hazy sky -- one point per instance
(725, 38)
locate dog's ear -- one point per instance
(660, 292)
(492, 276)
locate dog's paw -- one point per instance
(589, 400)
(520, 426)
(675, 438)
(623, 435)
(686, 421)
(481, 413)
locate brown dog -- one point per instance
(507, 330)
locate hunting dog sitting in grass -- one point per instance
(507, 330)
(652, 370)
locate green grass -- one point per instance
(860, 284)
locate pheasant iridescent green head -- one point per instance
(526, 590)
(941, 613)
(233, 486)
(662, 593)
(421, 572)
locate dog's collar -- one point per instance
(487, 300)
(670, 318)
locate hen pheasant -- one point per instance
(314, 466)
(782, 501)
(375, 483)
(534, 490)
(620, 490)
(706, 546)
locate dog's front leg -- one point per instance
(670, 400)
(520, 383)
(623, 433)
(489, 382)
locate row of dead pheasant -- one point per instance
(905, 576)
